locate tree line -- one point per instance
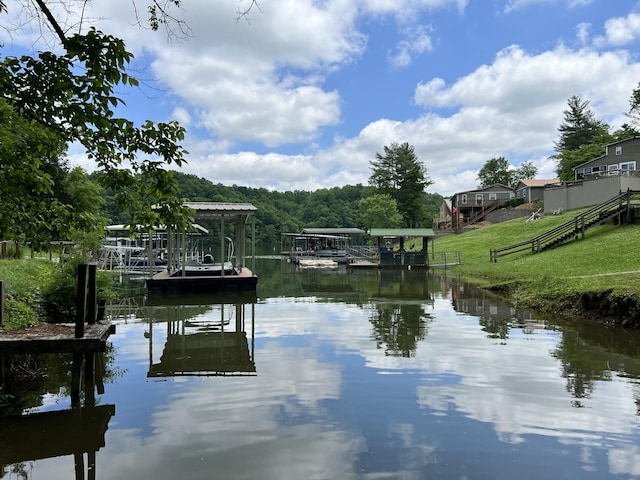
(281, 212)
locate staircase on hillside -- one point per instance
(573, 229)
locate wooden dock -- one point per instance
(86, 335)
(164, 283)
(55, 338)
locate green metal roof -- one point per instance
(402, 232)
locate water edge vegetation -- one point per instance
(596, 277)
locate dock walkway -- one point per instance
(56, 338)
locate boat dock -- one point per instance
(85, 335)
(55, 338)
(164, 283)
(227, 273)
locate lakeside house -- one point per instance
(595, 182)
(599, 179)
(472, 206)
(532, 190)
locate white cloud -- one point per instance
(417, 41)
(270, 83)
(583, 31)
(513, 5)
(623, 30)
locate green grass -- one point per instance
(22, 280)
(607, 259)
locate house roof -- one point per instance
(401, 232)
(589, 161)
(499, 185)
(538, 182)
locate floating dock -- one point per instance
(179, 278)
(164, 283)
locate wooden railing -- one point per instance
(570, 230)
(484, 212)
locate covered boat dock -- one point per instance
(393, 252)
(316, 245)
(232, 220)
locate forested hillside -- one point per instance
(280, 212)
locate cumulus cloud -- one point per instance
(623, 30)
(271, 96)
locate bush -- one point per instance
(59, 291)
(18, 314)
(513, 202)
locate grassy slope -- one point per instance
(606, 260)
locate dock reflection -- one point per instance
(216, 340)
(77, 431)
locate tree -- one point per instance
(527, 171)
(579, 126)
(379, 211)
(399, 174)
(495, 171)
(73, 95)
(634, 113)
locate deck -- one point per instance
(56, 338)
(164, 283)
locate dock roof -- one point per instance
(221, 210)
(401, 232)
(333, 231)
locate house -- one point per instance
(620, 158)
(472, 206)
(532, 190)
(444, 216)
(599, 179)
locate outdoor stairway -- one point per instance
(485, 211)
(573, 229)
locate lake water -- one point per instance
(331, 374)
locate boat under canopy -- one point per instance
(221, 271)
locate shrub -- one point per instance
(59, 291)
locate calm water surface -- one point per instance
(366, 375)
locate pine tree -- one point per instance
(579, 127)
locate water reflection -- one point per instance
(78, 431)
(202, 338)
(379, 374)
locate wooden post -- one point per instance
(76, 375)
(1, 303)
(81, 300)
(92, 300)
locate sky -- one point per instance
(302, 94)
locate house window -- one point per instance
(619, 150)
(493, 196)
(612, 169)
(464, 198)
(628, 166)
(478, 199)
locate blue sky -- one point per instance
(305, 93)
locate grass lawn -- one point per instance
(606, 260)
